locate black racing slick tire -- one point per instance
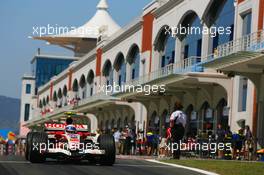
(39, 143)
(107, 143)
(28, 143)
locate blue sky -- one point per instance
(18, 17)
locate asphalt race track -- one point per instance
(18, 166)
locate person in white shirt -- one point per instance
(177, 125)
(117, 135)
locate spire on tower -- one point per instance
(102, 5)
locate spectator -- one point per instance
(238, 139)
(168, 141)
(220, 135)
(133, 141)
(228, 141)
(249, 143)
(127, 145)
(117, 136)
(162, 145)
(155, 143)
(122, 141)
(140, 142)
(177, 124)
(150, 137)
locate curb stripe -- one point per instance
(184, 167)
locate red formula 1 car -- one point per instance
(69, 141)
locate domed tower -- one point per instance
(83, 39)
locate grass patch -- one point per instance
(223, 167)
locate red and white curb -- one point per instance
(184, 167)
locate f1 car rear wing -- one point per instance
(61, 127)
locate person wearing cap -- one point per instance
(177, 125)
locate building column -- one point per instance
(128, 72)
(260, 101)
(206, 44)
(178, 50)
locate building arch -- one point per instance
(206, 118)
(90, 83)
(192, 121)
(164, 45)
(44, 102)
(65, 91)
(113, 125)
(54, 96)
(220, 14)
(118, 124)
(213, 10)
(60, 93)
(82, 81)
(165, 118)
(75, 86)
(40, 104)
(82, 84)
(191, 35)
(221, 117)
(133, 59)
(154, 121)
(120, 68)
(47, 99)
(108, 72)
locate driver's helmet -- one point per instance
(71, 129)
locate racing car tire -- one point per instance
(28, 143)
(107, 143)
(35, 156)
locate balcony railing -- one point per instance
(95, 97)
(252, 42)
(191, 64)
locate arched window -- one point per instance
(60, 98)
(120, 68)
(44, 102)
(65, 93)
(134, 61)
(40, 104)
(222, 113)
(90, 82)
(165, 44)
(55, 96)
(108, 73)
(192, 120)
(223, 13)
(82, 84)
(75, 87)
(154, 121)
(165, 118)
(47, 100)
(113, 123)
(207, 117)
(119, 123)
(192, 40)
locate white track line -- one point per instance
(16, 162)
(184, 167)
